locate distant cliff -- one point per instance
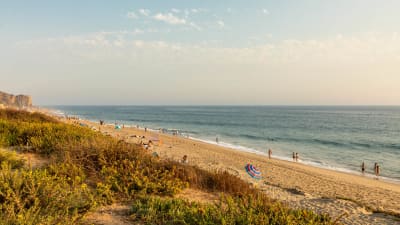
(19, 101)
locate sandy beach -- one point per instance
(350, 198)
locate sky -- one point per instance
(205, 52)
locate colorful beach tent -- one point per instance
(253, 171)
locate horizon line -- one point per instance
(222, 105)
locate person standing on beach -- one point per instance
(377, 171)
(363, 167)
(216, 139)
(294, 157)
(269, 153)
(297, 157)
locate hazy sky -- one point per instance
(305, 52)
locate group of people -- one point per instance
(295, 157)
(377, 168)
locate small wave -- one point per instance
(252, 137)
(229, 145)
(314, 163)
(344, 144)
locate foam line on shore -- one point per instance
(305, 162)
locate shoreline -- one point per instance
(303, 162)
(241, 148)
(363, 200)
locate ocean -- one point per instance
(333, 137)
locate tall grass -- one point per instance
(11, 158)
(38, 197)
(88, 169)
(230, 210)
(25, 116)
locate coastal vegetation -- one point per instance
(86, 169)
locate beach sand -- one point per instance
(353, 199)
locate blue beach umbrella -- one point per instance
(253, 171)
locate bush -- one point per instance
(219, 181)
(43, 137)
(11, 158)
(25, 116)
(133, 177)
(252, 209)
(36, 197)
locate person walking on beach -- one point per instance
(363, 167)
(269, 153)
(377, 171)
(294, 157)
(297, 157)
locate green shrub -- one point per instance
(43, 137)
(247, 210)
(36, 197)
(25, 116)
(11, 158)
(218, 181)
(133, 177)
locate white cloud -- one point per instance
(144, 12)
(123, 32)
(361, 50)
(342, 69)
(175, 10)
(265, 11)
(186, 12)
(195, 26)
(221, 23)
(131, 15)
(229, 10)
(169, 18)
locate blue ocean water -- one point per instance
(333, 137)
